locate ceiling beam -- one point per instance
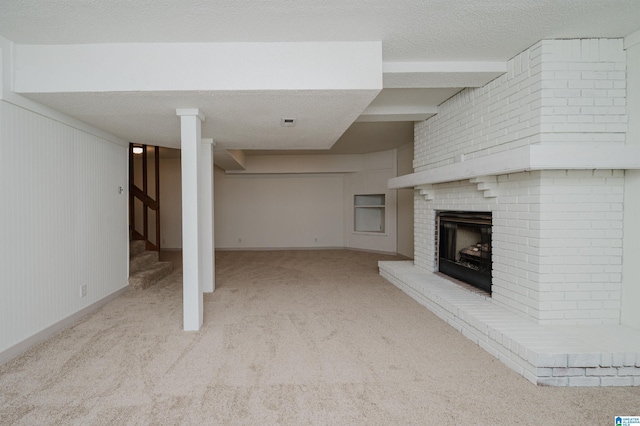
(162, 67)
(229, 159)
(397, 75)
(397, 113)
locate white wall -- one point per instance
(405, 203)
(62, 219)
(198, 66)
(310, 206)
(379, 167)
(170, 204)
(631, 239)
(278, 211)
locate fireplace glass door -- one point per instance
(464, 247)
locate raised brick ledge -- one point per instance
(553, 355)
(526, 158)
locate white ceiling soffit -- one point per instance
(399, 114)
(234, 119)
(229, 159)
(360, 138)
(406, 104)
(243, 89)
(197, 67)
(440, 74)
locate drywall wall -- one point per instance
(278, 211)
(309, 163)
(170, 204)
(63, 221)
(266, 209)
(378, 168)
(115, 67)
(405, 203)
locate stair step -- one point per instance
(137, 246)
(142, 261)
(148, 277)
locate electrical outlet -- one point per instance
(239, 240)
(316, 240)
(83, 290)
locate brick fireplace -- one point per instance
(463, 247)
(542, 150)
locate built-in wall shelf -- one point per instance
(369, 212)
(528, 158)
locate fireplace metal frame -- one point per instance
(448, 222)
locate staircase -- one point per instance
(145, 269)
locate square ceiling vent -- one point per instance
(288, 122)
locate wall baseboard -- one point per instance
(17, 349)
(386, 253)
(309, 248)
(276, 248)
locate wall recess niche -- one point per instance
(369, 213)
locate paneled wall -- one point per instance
(63, 222)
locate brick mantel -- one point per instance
(528, 158)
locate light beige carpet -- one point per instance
(290, 337)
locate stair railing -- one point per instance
(149, 202)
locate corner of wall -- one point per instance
(7, 94)
(6, 48)
(630, 314)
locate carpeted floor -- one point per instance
(290, 337)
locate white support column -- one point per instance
(191, 128)
(207, 241)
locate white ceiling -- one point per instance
(420, 31)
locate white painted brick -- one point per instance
(630, 359)
(599, 371)
(547, 360)
(544, 372)
(491, 119)
(583, 360)
(584, 381)
(617, 381)
(629, 371)
(567, 372)
(532, 377)
(605, 359)
(617, 359)
(553, 381)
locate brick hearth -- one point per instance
(556, 355)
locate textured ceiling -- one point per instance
(410, 31)
(231, 116)
(361, 138)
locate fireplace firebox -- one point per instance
(463, 247)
